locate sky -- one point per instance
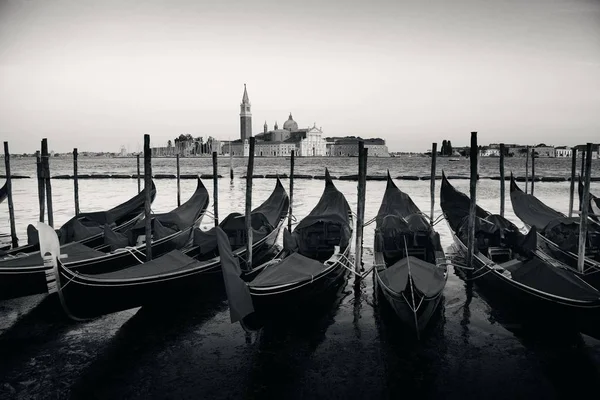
(98, 75)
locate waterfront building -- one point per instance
(564, 151)
(542, 150)
(490, 152)
(348, 147)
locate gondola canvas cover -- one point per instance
(530, 209)
(427, 278)
(294, 268)
(238, 294)
(332, 208)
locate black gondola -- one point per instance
(509, 263)
(558, 234)
(594, 205)
(4, 192)
(22, 276)
(314, 258)
(410, 264)
(192, 269)
(88, 228)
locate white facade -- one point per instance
(490, 153)
(313, 145)
(564, 151)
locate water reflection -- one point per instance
(410, 365)
(284, 346)
(142, 341)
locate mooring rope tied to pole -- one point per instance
(370, 221)
(438, 219)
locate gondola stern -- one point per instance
(514, 188)
(390, 181)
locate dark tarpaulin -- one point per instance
(292, 269)
(264, 219)
(89, 224)
(74, 251)
(531, 210)
(395, 203)
(564, 232)
(400, 223)
(594, 206)
(332, 209)
(276, 205)
(238, 294)
(4, 192)
(427, 278)
(539, 275)
(181, 217)
(455, 205)
(173, 261)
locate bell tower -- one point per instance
(245, 117)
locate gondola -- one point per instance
(88, 228)
(193, 269)
(558, 234)
(594, 205)
(410, 264)
(509, 264)
(22, 276)
(4, 192)
(314, 259)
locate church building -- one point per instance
(307, 142)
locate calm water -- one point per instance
(349, 348)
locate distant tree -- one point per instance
(169, 144)
(443, 149)
(449, 148)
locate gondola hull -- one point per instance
(125, 221)
(88, 296)
(403, 310)
(24, 276)
(271, 301)
(513, 294)
(19, 283)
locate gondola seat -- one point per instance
(318, 240)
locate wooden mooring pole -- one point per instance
(582, 175)
(47, 184)
(572, 186)
(290, 214)
(138, 174)
(148, 191)
(215, 187)
(230, 162)
(532, 170)
(502, 188)
(248, 214)
(473, 195)
(432, 183)
(585, 208)
(11, 209)
(178, 183)
(360, 212)
(41, 188)
(527, 170)
(75, 181)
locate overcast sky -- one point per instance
(99, 74)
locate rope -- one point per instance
(130, 250)
(370, 221)
(438, 219)
(412, 289)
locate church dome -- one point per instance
(290, 124)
